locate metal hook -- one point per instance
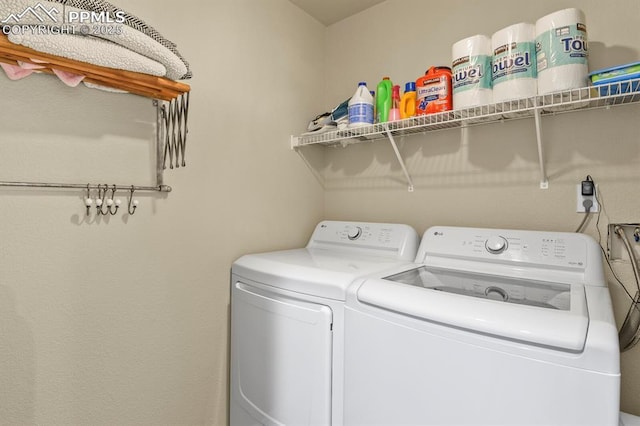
(88, 201)
(132, 201)
(99, 200)
(111, 202)
(102, 193)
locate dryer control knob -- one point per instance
(354, 233)
(496, 245)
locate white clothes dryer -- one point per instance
(491, 327)
(287, 310)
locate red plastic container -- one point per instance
(434, 91)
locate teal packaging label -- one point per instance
(513, 61)
(562, 46)
(471, 72)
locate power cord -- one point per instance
(632, 258)
(629, 333)
(605, 256)
(587, 204)
(588, 190)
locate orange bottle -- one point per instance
(434, 91)
(408, 101)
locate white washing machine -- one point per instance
(490, 327)
(287, 311)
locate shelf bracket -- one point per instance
(544, 181)
(399, 157)
(159, 145)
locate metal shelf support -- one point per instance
(544, 181)
(399, 157)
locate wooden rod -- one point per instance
(134, 82)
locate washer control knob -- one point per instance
(354, 233)
(496, 245)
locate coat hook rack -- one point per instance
(89, 187)
(109, 206)
(171, 137)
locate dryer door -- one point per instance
(280, 358)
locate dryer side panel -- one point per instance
(280, 358)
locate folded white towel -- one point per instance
(133, 33)
(91, 50)
(130, 20)
(144, 45)
(133, 40)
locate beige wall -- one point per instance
(486, 176)
(124, 320)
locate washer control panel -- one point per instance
(381, 239)
(534, 247)
(496, 244)
(354, 232)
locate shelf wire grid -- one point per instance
(601, 96)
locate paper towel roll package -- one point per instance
(471, 68)
(514, 62)
(562, 51)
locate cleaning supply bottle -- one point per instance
(383, 100)
(408, 101)
(361, 107)
(394, 112)
(434, 91)
(375, 113)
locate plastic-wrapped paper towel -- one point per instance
(471, 69)
(562, 51)
(514, 62)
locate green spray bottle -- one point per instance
(383, 100)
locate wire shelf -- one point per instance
(602, 96)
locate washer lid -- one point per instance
(538, 312)
(312, 271)
(504, 289)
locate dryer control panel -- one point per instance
(381, 239)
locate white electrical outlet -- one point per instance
(580, 199)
